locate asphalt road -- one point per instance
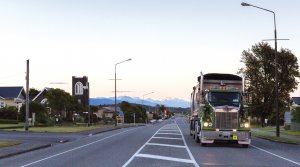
(163, 144)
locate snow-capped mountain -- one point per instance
(170, 102)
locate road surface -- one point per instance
(163, 144)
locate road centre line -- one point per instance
(76, 148)
(297, 163)
(168, 138)
(165, 158)
(166, 145)
(168, 134)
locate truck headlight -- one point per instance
(246, 125)
(205, 124)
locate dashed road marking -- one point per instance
(166, 145)
(164, 158)
(168, 138)
(170, 128)
(168, 134)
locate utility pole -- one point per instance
(88, 103)
(27, 96)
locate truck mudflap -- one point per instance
(241, 137)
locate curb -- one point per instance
(25, 151)
(106, 130)
(276, 140)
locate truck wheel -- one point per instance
(197, 139)
(245, 145)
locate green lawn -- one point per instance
(275, 138)
(8, 143)
(68, 129)
(273, 129)
(11, 125)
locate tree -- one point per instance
(130, 109)
(42, 116)
(33, 93)
(260, 71)
(62, 103)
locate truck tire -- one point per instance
(245, 145)
(203, 144)
(197, 139)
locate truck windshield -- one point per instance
(224, 98)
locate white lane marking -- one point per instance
(168, 134)
(139, 150)
(168, 138)
(134, 155)
(55, 155)
(166, 145)
(165, 158)
(297, 163)
(187, 148)
(169, 130)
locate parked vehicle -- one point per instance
(219, 110)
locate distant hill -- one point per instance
(171, 102)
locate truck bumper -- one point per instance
(241, 137)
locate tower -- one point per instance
(80, 89)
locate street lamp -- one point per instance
(276, 66)
(143, 101)
(116, 89)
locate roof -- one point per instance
(217, 76)
(112, 108)
(296, 100)
(41, 93)
(12, 92)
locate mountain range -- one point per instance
(171, 102)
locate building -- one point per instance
(80, 89)
(41, 97)
(108, 112)
(295, 103)
(12, 96)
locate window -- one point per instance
(2, 104)
(78, 88)
(224, 98)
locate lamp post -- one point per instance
(276, 66)
(116, 89)
(143, 101)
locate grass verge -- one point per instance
(274, 138)
(8, 143)
(272, 129)
(3, 126)
(66, 129)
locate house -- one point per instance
(108, 112)
(41, 97)
(12, 96)
(295, 103)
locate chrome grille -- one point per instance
(226, 120)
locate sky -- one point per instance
(169, 41)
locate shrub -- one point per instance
(296, 115)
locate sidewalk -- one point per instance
(296, 138)
(33, 141)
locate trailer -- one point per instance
(219, 110)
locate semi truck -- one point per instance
(219, 110)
